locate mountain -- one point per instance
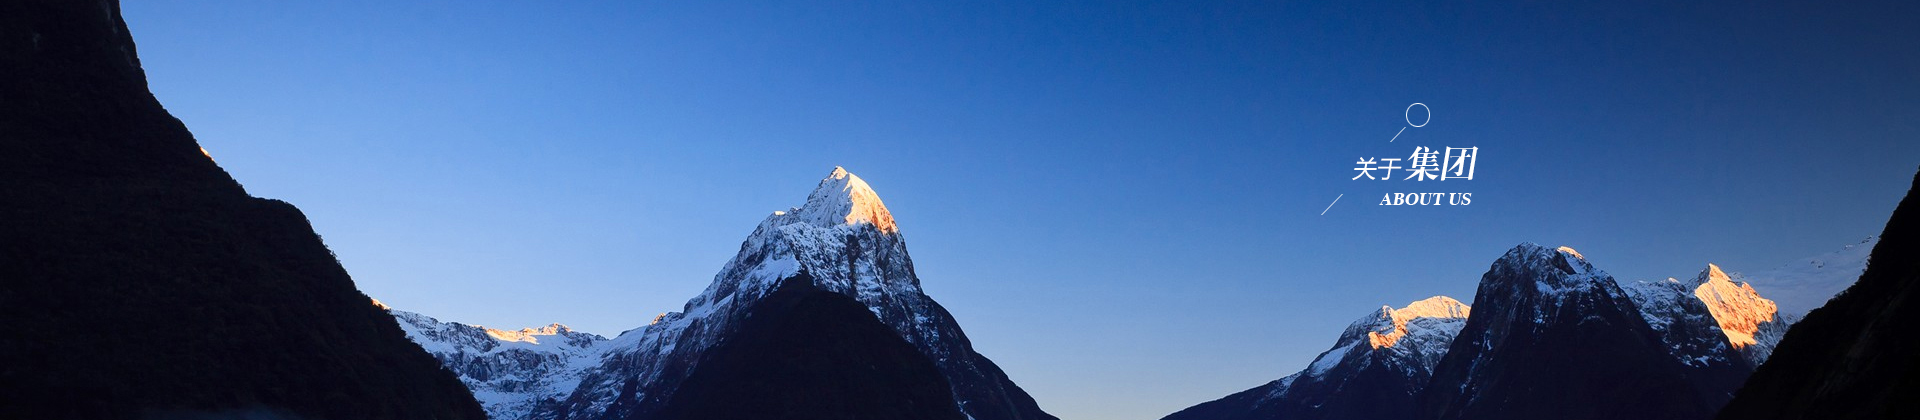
(1553, 337)
(138, 279)
(509, 371)
(1699, 319)
(1373, 371)
(842, 241)
(805, 353)
(1851, 359)
(1711, 325)
(1752, 324)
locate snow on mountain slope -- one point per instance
(846, 240)
(1409, 340)
(1717, 314)
(1375, 368)
(510, 372)
(1800, 286)
(1752, 312)
(1714, 326)
(1751, 323)
(1551, 336)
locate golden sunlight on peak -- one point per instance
(1433, 307)
(525, 335)
(203, 151)
(376, 302)
(657, 318)
(1738, 308)
(1569, 250)
(863, 205)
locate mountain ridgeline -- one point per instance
(1549, 336)
(745, 338)
(1552, 337)
(139, 280)
(1851, 359)
(1375, 370)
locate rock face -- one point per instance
(1374, 371)
(138, 279)
(1552, 337)
(1701, 319)
(1851, 359)
(843, 241)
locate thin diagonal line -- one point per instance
(1396, 134)
(1323, 212)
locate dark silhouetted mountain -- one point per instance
(806, 353)
(1374, 371)
(1851, 359)
(137, 279)
(1552, 337)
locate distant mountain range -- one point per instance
(140, 280)
(1550, 336)
(842, 242)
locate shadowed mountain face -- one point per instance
(804, 353)
(1853, 358)
(1553, 337)
(138, 279)
(1550, 336)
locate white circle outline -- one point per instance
(1408, 114)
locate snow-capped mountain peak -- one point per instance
(1739, 309)
(1554, 275)
(1752, 323)
(844, 199)
(1438, 307)
(842, 240)
(1570, 251)
(1374, 370)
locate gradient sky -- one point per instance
(1119, 201)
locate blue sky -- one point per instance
(1119, 201)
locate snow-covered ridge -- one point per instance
(511, 372)
(528, 335)
(1752, 312)
(1439, 307)
(1684, 322)
(1558, 276)
(1739, 309)
(844, 199)
(1711, 323)
(846, 241)
(1408, 341)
